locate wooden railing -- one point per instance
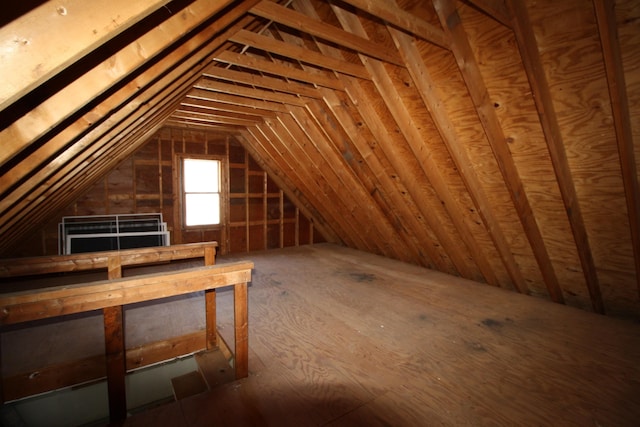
(111, 294)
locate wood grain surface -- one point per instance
(339, 337)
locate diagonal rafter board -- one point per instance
(75, 96)
(432, 99)
(350, 210)
(380, 223)
(542, 97)
(409, 128)
(298, 53)
(395, 162)
(75, 177)
(61, 105)
(266, 150)
(52, 175)
(388, 11)
(290, 18)
(284, 182)
(75, 182)
(403, 210)
(337, 121)
(469, 69)
(253, 63)
(306, 159)
(272, 83)
(29, 56)
(434, 215)
(361, 205)
(607, 26)
(118, 105)
(309, 176)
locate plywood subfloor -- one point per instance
(342, 338)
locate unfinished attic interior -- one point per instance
(423, 212)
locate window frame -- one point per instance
(223, 191)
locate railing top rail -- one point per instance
(27, 305)
(16, 267)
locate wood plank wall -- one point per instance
(259, 216)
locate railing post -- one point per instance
(241, 327)
(116, 364)
(115, 351)
(210, 302)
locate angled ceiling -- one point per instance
(491, 139)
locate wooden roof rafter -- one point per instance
(57, 171)
(435, 216)
(606, 17)
(91, 25)
(336, 119)
(446, 10)
(60, 106)
(409, 128)
(50, 156)
(544, 104)
(433, 100)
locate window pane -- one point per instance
(201, 176)
(202, 209)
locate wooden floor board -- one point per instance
(339, 337)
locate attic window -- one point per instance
(201, 192)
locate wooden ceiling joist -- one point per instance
(496, 9)
(258, 105)
(298, 53)
(253, 63)
(285, 16)
(210, 118)
(249, 92)
(388, 11)
(222, 107)
(264, 82)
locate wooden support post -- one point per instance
(210, 303)
(116, 366)
(210, 316)
(115, 350)
(241, 320)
